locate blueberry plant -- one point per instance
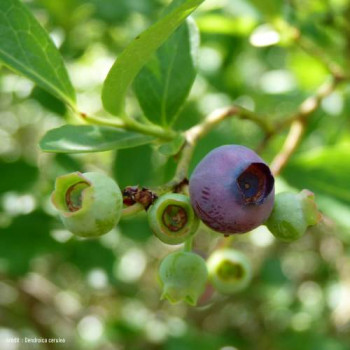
(231, 190)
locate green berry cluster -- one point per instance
(91, 204)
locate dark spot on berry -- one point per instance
(228, 270)
(174, 217)
(74, 196)
(255, 183)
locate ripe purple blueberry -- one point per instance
(232, 190)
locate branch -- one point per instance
(132, 210)
(298, 124)
(192, 136)
(310, 48)
(290, 145)
(195, 133)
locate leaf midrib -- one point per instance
(39, 77)
(166, 88)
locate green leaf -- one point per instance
(134, 166)
(139, 51)
(173, 147)
(214, 23)
(27, 48)
(26, 238)
(49, 101)
(269, 8)
(90, 138)
(163, 85)
(336, 210)
(324, 171)
(89, 254)
(13, 178)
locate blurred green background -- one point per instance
(103, 294)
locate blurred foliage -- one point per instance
(103, 294)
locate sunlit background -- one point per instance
(103, 294)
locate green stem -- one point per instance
(150, 129)
(188, 244)
(132, 125)
(195, 133)
(132, 210)
(114, 122)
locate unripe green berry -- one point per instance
(89, 204)
(172, 218)
(183, 276)
(292, 215)
(229, 271)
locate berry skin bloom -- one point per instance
(232, 190)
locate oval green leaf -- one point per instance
(324, 171)
(139, 51)
(173, 147)
(90, 138)
(164, 83)
(27, 48)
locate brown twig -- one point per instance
(290, 145)
(193, 134)
(297, 124)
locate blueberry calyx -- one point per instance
(255, 183)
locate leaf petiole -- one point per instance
(130, 124)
